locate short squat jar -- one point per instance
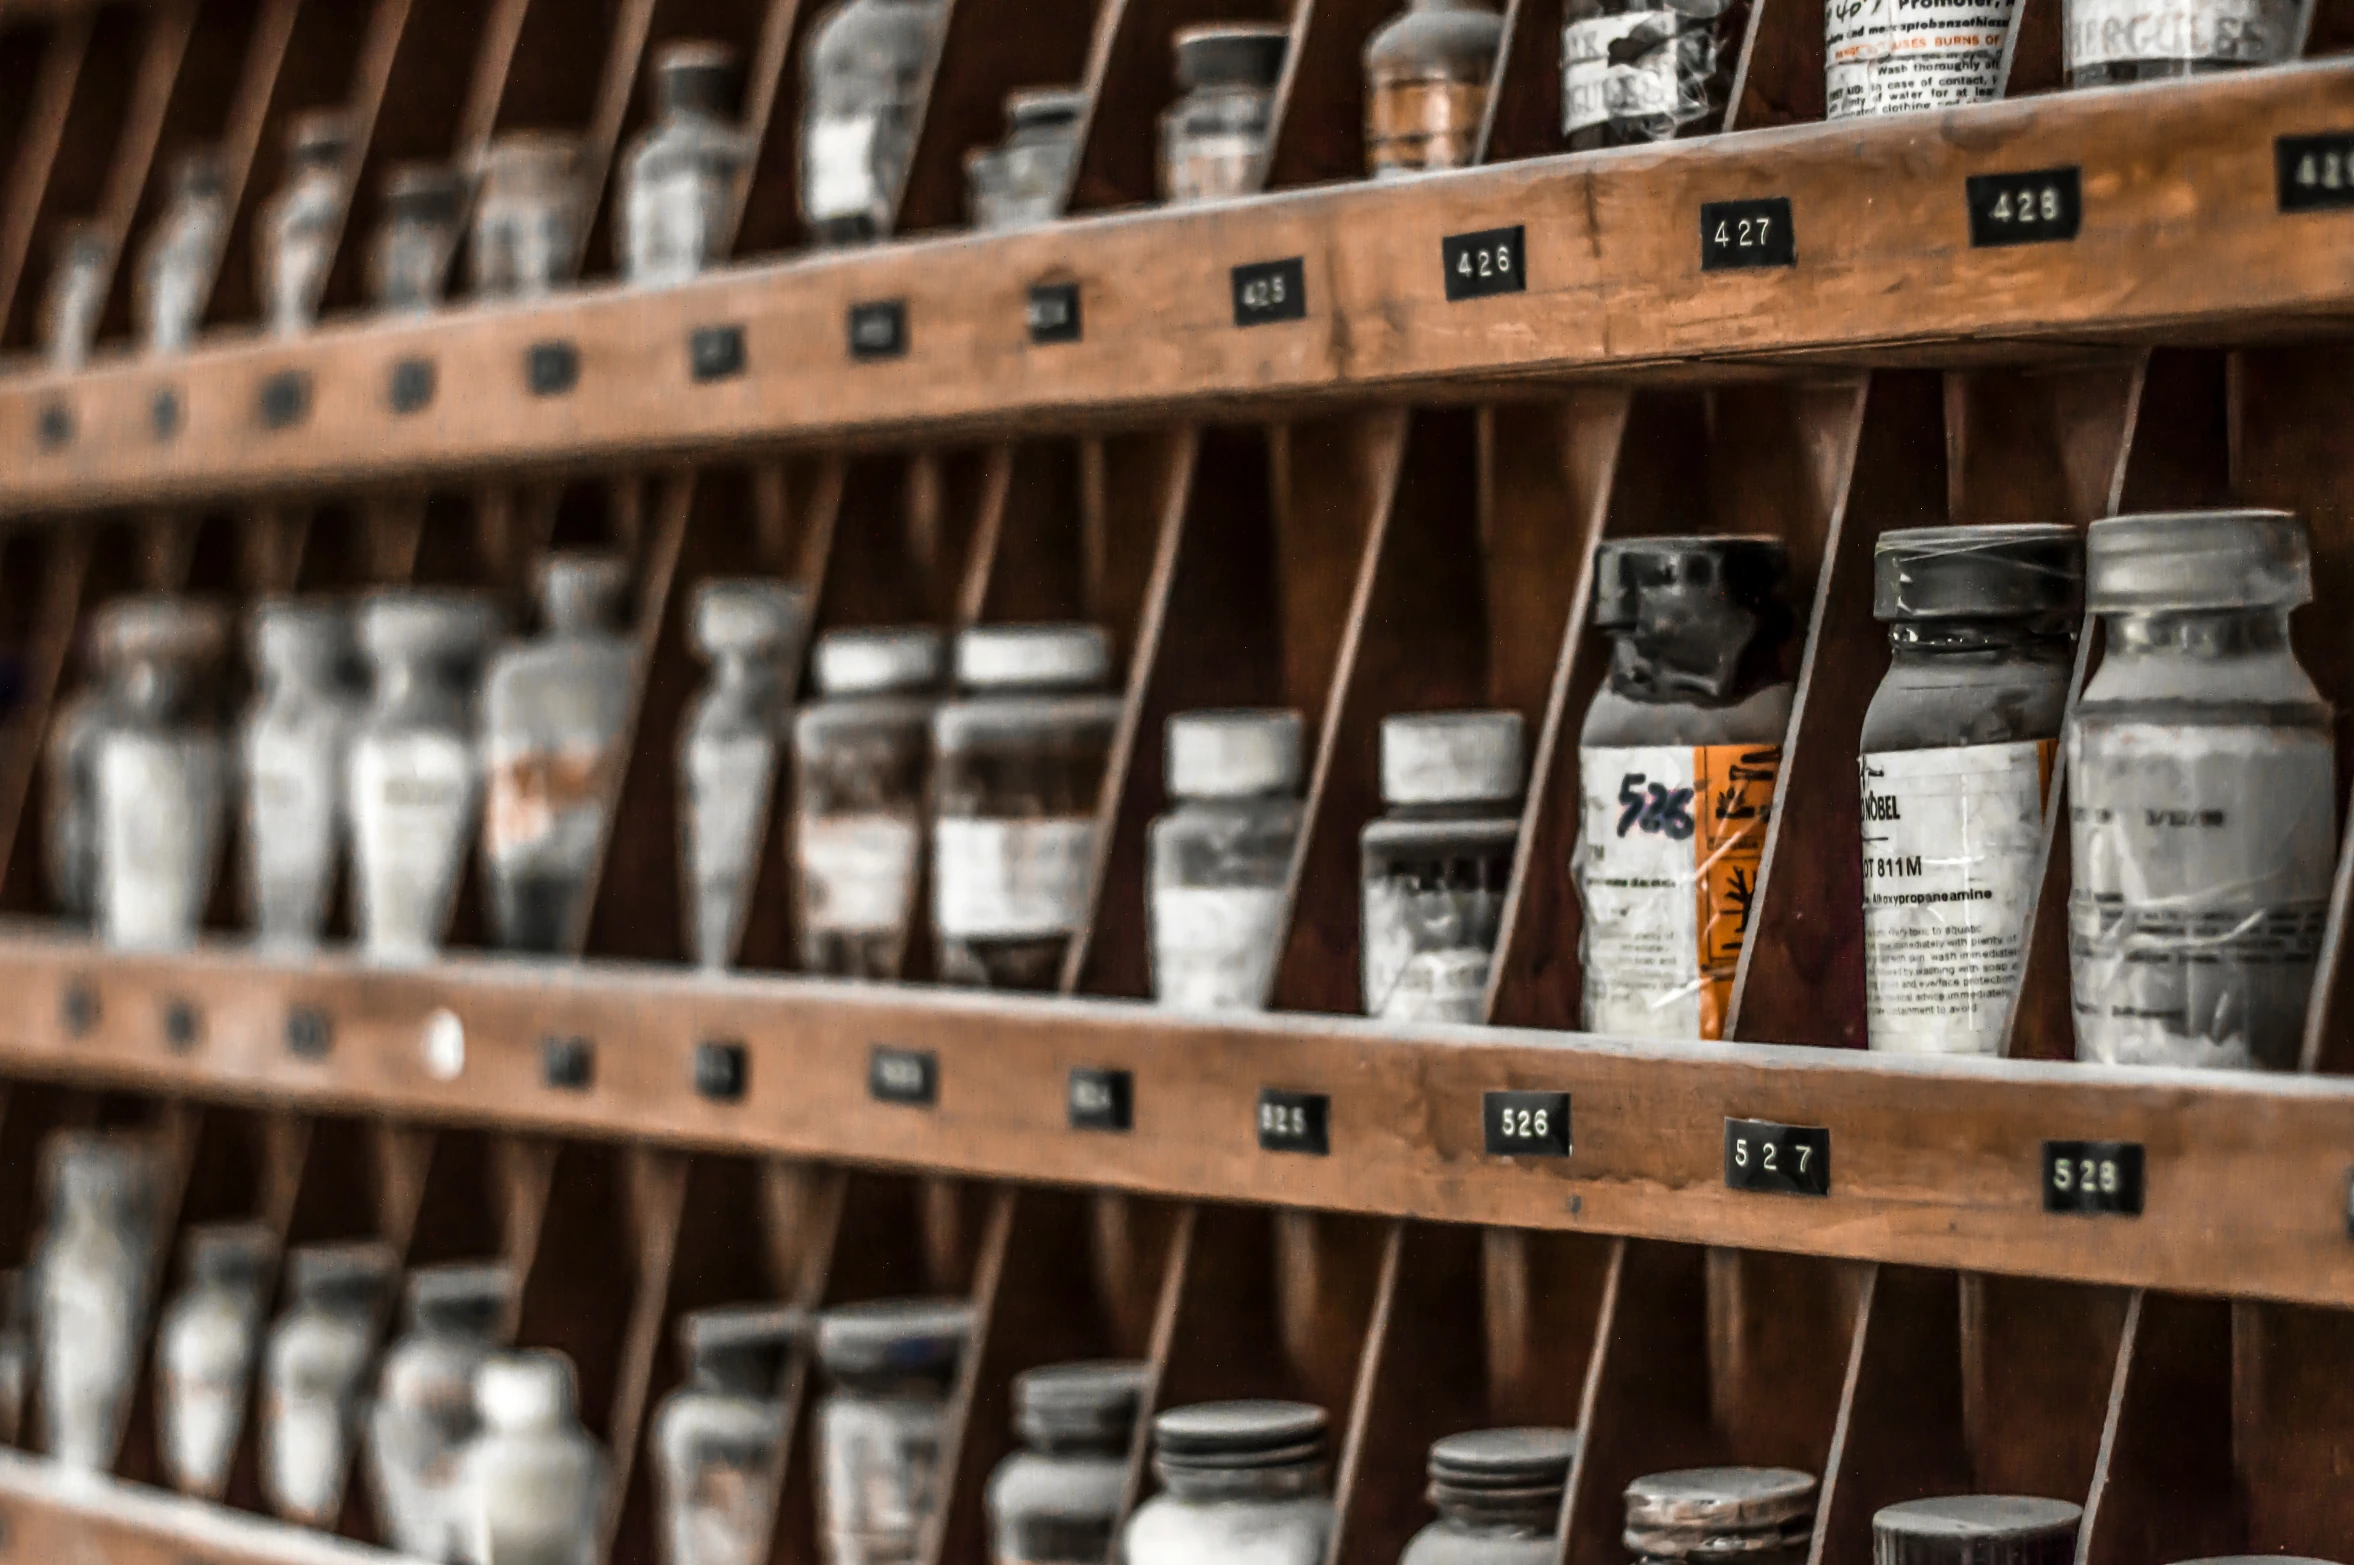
(1437, 864)
(1677, 762)
(423, 1414)
(2109, 42)
(716, 1438)
(1221, 858)
(1022, 183)
(679, 182)
(416, 238)
(163, 777)
(1498, 1493)
(183, 255)
(1758, 1515)
(1057, 1500)
(1426, 86)
(1214, 137)
(2202, 783)
(867, 69)
(95, 1274)
(205, 1350)
(1977, 1529)
(1634, 72)
(534, 1481)
(75, 298)
(295, 744)
(314, 1373)
(1883, 57)
(1239, 1481)
(527, 215)
(1956, 755)
(883, 1427)
(302, 222)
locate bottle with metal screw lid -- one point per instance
(1239, 1480)
(1760, 1515)
(679, 183)
(163, 779)
(1498, 1493)
(75, 299)
(534, 1481)
(1022, 182)
(95, 1274)
(423, 1414)
(1214, 137)
(296, 744)
(314, 1373)
(301, 223)
(867, 69)
(424, 210)
(716, 1437)
(1221, 858)
(527, 215)
(205, 1350)
(177, 267)
(1426, 86)
(1977, 1529)
(882, 1429)
(1057, 1500)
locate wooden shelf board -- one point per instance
(52, 1517)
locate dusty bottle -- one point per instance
(1639, 71)
(527, 216)
(1221, 859)
(1957, 751)
(314, 1375)
(76, 297)
(416, 237)
(535, 1483)
(70, 814)
(177, 267)
(1677, 762)
(716, 1437)
(423, 1414)
(679, 183)
(1759, 1515)
(1974, 1529)
(1426, 86)
(861, 762)
(2109, 42)
(867, 70)
(16, 1351)
(1023, 182)
(1239, 1481)
(882, 1426)
(1214, 137)
(554, 711)
(96, 1271)
(1436, 867)
(301, 223)
(1057, 1500)
(751, 633)
(205, 1350)
(163, 776)
(2202, 784)
(1498, 1494)
(1890, 57)
(296, 743)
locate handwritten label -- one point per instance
(567, 1064)
(1526, 1124)
(310, 1033)
(551, 369)
(1102, 1100)
(1295, 1122)
(878, 330)
(905, 1076)
(285, 400)
(1780, 1159)
(2042, 206)
(2316, 173)
(1267, 291)
(715, 353)
(1735, 235)
(1491, 261)
(720, 1071)
(411, 387)
(1053, 313)
(2093, 1178)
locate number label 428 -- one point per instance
(2040, 206)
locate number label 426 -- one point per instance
(1488, 262)
(1781, 1159)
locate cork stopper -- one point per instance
(1033, 657)
(1452, 758)
(2197, 560)
(696, 76)
(1237, 754)
(914, 1339)
(230, 1255)
(518, 1391)
(1239, 1436)
(1977, 1529)
(583, 590)
(892, 661)
(2032, 571)
(744, 617)
(1090, 1404)
(1232, 54)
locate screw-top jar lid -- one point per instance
(230, 1254)
(583, 590)
(408, 622)
(301, 633)
(1028, 657)
(1043, 108)
(319, 136)
(889, 661)
(171, 630)
(467, 1296)
(1452, 758)
(696, 76)
(2197, 560)
(742, 1345)
(1234, 1436)
(749, 617)
(430, 192)
(1719, 1499)
(1094, 1402)
(910, 1338)
(2030, 571)
(1236, 754)
(1231, 54)
(1504, 1459)
(530, 1390)
(1977, 1529)
(355, 1273)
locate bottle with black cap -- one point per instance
(716, 1437)
(93, 1276)
(863, 93)
(314, 1374)
(1498, 1493)
(679, 182)
(183, 253)
(1758, 1515)
(1221, 857)
(1023, 182)
(527, 215)
(882, 1429)
(1056, 1501)
(301, 223)
(1239, 1480)
(163, 775)
(1214, 137)
(1977, 1529)
(1677, 763)
(423, 209)
(294, 741)
(1957, 746)
(424, 1413)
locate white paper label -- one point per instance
(840, 167)
(304, 1457)
(159, 807)
(857, 872)
(1214, 947)
(1887, 56)
(414, 796)
(1001, 879)
(1594, 91)
(729, 780)
(2238, 32)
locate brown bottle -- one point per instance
(1426, 86)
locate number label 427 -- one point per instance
(1740, 234)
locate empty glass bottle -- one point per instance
(1426, 86)
(314, 1373)
(1638, 71)
(423, 1414)
(527, 215)
(716, 1437)
(1889, 57)
(1498, 1494)
(867, 70)
(162, 776)
(535, 1482)
(183, 254)
(882, 1427)
(1759, 1515)
(1239, 1481)
(2109, 42)
(96, 1270)
(1023, 182)
(679, 183)
(416, 237)
(205, 1351)
(1214, 138)
(1057, 1501)
(1221, 859)
(76, 296)
(1975, 1529)
(301, 223)
(296, 743)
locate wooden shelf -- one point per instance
(49, 1517)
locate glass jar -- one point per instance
(2202, 785)
(679, 182)
(1057, 1501)
(861, 766)
(183, 253)
(1498, 1493)
(2111, 42)
(1436, 867)
(534, 1482)
(1214, 138)
(1239, 1481)
(205, 1350)
(1024, 182)
(1884, 57)
(1426, 86)
(1640, 71)
(163, 776)
(751, 633)
(1760, 1515)
(1957, 751)
(96, 1272)
(295, 745)
(416, 237)
(867, 71)
(416, 782)
(1973, 1528)
(70, 800)
(555, 715)
(527, 215)
(423, 1414)
(882, 1430)
(1221, 860)
(75, 301)
(314, 1371)
(1020, 760)
(716, 1438)
(302, 222)
(1677, 762)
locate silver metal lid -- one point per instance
(1240, 1435)
(1094, 1401)
(749, 617)
(1238, 753)
(1504, 1459)
(1734, 1499)
(302, 633)
(1452, 758)
(889, 661)
(2197, 560)
(1231, 54)
(525, 1390)
(1027, 657)
(1977, 1529)
(2011, 572)
(1032, 108)
(731, 1328)
(358, 1272)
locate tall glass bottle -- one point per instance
(163, 776)
(296, 743)
(533, 1479)
(76, 297)
(527, 215)
(96, 1270)
(183, 254)
(679, 182)
(205, 1350)
(301, 223)
(867, 69)
(751, 633)
(314, 1373)
(424, 208)
(1640, 71)
(423, 1414)
(1024, 181)
(1426, 86)
(716, 1437)
(1214, 137)
(1221, 859)
(70, 800)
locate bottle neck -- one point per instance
(2199, 633)
(1991, 640)
(1297, 1482)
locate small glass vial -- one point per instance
(1020, 761)
(867, 70)
(679, 182)
(1426, 86)
(163, 777)
(534, 1481)
(183, 254)
(883, 1428)
(76, 297)
(716, 1438)
(555, 713)
(1024, 182)
(1239, 1480)
(415, 781)
(1221, 859)
(1975, 1529)
(96, 1273)
(1637, 71)
(314, 1372)
(1957, 751)
(296, 742)
(205, 1351)
(861, 758)
(301, 223)
(1498, 1494)
(2202, 783)
(1759, 1515)
(751, 633)
(1677, 762)
(423, 1414)
(1214, 138)
(1882, 57)
(527, 216)
(1057, 1500)
(1437, 866)
(416, 238)
(2110, 42)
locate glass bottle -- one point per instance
(1640, 71)
(1436, 867)
(1057, 1500)
(867, 71)
(75, 301)
(16, 1351)
(163, 777)
(679, 182)
(301, 223)
(296, 742)
(555, 715)
(716, 1438)
(1221, 859)
(2202, 783)
(70, 763)
(751, 633)
(1498, 1494)
(416, 238)
(534, 1481)
(1957, 750)
(1024, 182)
(862, 775)
(423, 1414)
(415, 779)
(1759, 1515)
(1677, 762)
(205, 1350)
(1214, 138)
(1887, 57)
(1974, 1528)
(1020, 760)
(314, 1374)
(1426, 86)
(96, 1273)
(2107, 43)
(1239, 1480)
(883, 1427)
(183, 254)
(527, 216)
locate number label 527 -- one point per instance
(1781, 1159)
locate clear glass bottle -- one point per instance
(1239, 1480)
(1758, 1515)
(751, 633)
(2110, 42)
(1498, 1493)
(1024, 182)
(1885, 57)
(183, 254)
(1057, 1500)
(423, 1414)
(1426, 86)
(867, 70)
(163, 785)
(861, 762)
(555, 717)
(1019, 764)
(2202, 783)
(1957, 751)
(314, 1375)
(205, 1350)
(302, 222)
(527, 216)
(1972, 1529)
(75, 300)
(1640, 71)
(70, 763)
(1214, 137)
(534, 1481)
(415, 776)
(716, 1438)
(1677, 762)
(296, 742)
(679, 182)
(1436, 867)
(96, 1271)
(416, 238)
(882, 1428)
(1221, 858)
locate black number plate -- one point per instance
(2093, 1178)
(2316, 172)
(285, 400)
(2042, 206)
(1491, 261)
(1053, 313)
(878, 329)
(1737, 234)
(715, 353)
(1783, 1159)
(1270, 291)
(164, 415)
(1527, 1124)
(55, 431)
(1102, 1100)
(411, 389)
(909, 1076)
(1294, 1122)
(551, 369)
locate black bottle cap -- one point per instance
(1246, 54)
(1977, 1529)
(914, 1339)
(2034, 571)
(696, 76)
(741, 1347)
(1232, 1436)
(1039, 108)
(1087, 1403)
(1684, 613)
(429, 192)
